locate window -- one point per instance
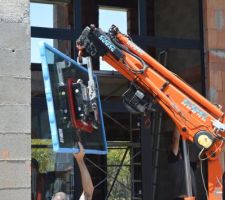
(49, 16)
(107, 17)
(41, 15)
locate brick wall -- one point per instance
(214, 32)
(15, 100)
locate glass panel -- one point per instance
(51, 172)
(35, 48)
(62, 45)
(55, 171)
(61, 71)
(107, 17)
(45, 156)
(40, 125)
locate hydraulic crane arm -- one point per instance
(197, 119)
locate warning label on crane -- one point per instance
(195, 109)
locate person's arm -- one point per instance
(175, 142)
(87, 184)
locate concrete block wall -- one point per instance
(15, 100)
(214, 32)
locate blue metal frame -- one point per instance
(50, 104)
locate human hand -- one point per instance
(176, 134)
(80, 155)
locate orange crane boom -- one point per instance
(196, 118)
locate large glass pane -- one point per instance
(55, 171)
(62, 45)
(64, 75)
(35, 48)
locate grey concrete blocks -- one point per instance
(14, 62)
(14, 11)
(15, 119)
(14, 90)
(15, 49)
(14, 36)
(16, 194)
(15, 147)
(15, 100)
(15, 175)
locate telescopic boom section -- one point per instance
(196, 118)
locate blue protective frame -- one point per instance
(50, 104)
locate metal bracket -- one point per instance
(92, 91)
(218, 125)
(91, 83)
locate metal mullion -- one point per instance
(166, 42)
(142, 20)
(202, 53)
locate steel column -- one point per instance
(142, 22)
(187, 169)
(146, 151)
(77, 20)
(202, 54)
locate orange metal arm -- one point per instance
(190, 111)
(172, 99)
(193, 115)
(188, 114)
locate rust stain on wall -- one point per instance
(4, 154)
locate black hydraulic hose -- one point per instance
(120, 46)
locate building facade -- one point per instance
(188, 37)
